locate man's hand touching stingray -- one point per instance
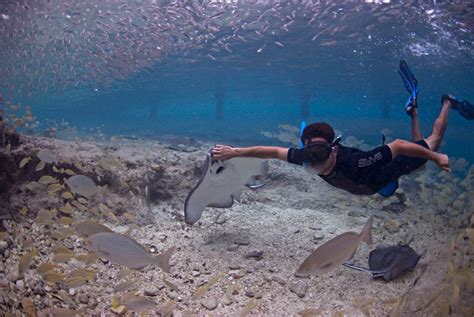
(222, 152)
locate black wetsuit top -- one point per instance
(364, 172)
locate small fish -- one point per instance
(45, 217)
(53, 277)
(40, 166)
(329, 43)
(24, 211)
(67, 195)
(279, 44)
(201, 290)
(127, 252)
(63, 295)
(78, 205)
(169, 284)
(25, 261)
(46, 267)
(66, 221)
(139, 304)
(216, 15)
(63, 312)
(166, 308)
(46, 180)
(7, 148)
(24, 161)
(61, 249)
(67, 209)
(82, 185)
(47, 156)
(69, 172)
(211, 57)
(73, 282)
(54, 188)
(289, 128)
(88, 228)
(58, 235)
(336, 251)
(82, 201)
(129, 217)
(63, 257)
(125, 286)
(110, 164)
(67, 231)
(28, 306)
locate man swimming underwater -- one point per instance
(358, 172)
(364, 172)
(350, 169)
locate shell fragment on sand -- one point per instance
(122, 250)
(221, 183)
(336, 251)
(82, 185)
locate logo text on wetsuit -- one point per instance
(370, 160)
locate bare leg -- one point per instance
(439, 127)
(415, 126)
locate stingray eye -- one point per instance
(220, 169)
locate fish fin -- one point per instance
(351, 259)
(163, 260)
(366, 234)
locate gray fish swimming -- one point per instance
(335, 251)
(127, 252)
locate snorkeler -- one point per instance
(360, 172)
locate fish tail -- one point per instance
(163, 260)
(366, 234)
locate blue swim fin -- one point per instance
(411, 84)
(389, 189)
(465, 108)
(302, 126)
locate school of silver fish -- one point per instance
(57, 44)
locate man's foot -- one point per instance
(453, 100)
(410, 106)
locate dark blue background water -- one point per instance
(357, 98)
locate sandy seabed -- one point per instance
(253, 248)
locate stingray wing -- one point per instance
(220, 183)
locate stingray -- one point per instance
(390, 262)
(221, 182)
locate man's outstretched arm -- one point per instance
(412, 149)
(224, 152)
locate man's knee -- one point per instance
(433, 142)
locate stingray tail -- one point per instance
(366, 234)
(163, 260)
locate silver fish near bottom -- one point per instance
(122, 250)
(335, 252)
